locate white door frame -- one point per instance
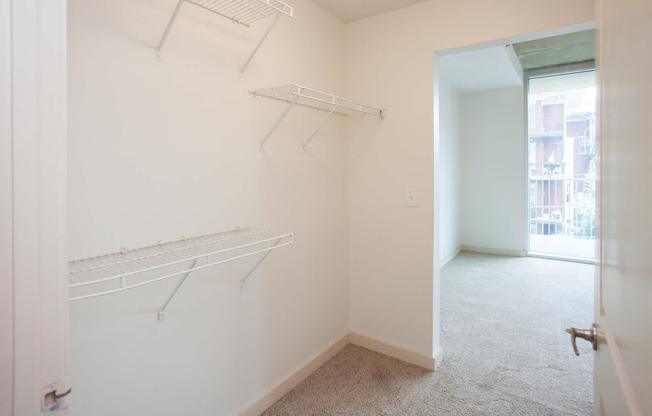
(6, 221)
(33, 270)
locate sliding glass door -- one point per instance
(561, 165)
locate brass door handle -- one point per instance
(590, 335)
(62, 395)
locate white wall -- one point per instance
(393, 295)
(494, 197)
(161, 149)
(450, 171)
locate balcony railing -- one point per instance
(562, 207)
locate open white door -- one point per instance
(623, 362)
(33, 264)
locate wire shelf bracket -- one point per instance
(242, 12)
(116, 272)
(294, 94)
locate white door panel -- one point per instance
(611, 400)
(625, 68)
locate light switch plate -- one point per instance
(410, 197)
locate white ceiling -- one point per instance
(350, 10)
(467, 71)
(480, 69)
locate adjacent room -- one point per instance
(517, 148)
(255, 187)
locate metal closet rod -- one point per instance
(243, 12)
(293, 92)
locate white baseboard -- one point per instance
(265, 400)
(561, 258)
(497, 251)
(401, 353)
(260, 404)
(450, 256)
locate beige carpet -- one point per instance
(505, 350)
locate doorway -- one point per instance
(484, 187)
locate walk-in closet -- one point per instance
(207, 200)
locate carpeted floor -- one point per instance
(505, 350)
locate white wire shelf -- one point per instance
(312, 98)
(294, 94)
(242, 12)
(111, 273)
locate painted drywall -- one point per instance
(159, 149)
(393, 272)
(450, 171)
(493, 169)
